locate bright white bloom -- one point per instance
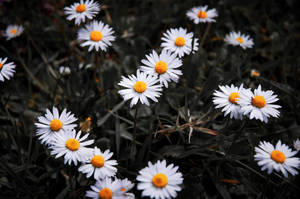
(238, 39)
(126, 185)
(179, 41)
(140, 87)
(13, 31)
(165, 66)
(106, 189)
(64, 70)
(72, 147)
(7, 70)
(96, 35)
(297, 144)
(99, 165)
(53, 123)
(200, 14)
(279, 158)
(227, 99)
(81, 11)
(258, 104)
(159, 181)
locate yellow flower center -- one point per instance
(72, 144)
(1, 65)
(160, 180)
(105, 193)
(96, 35)
(56, 125)
(179, 41)
(202, 14)
(13, 31)
(140, 86)
(161, 67)
(234, 97)
(98, 161)
(240, 39)
(259, 101)
(80, 8)
(278, 156)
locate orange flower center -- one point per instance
(72, 144)
(56, 125)
(161, 67)
(105, 193)
(98, 161)
(80, 8)
(240, 39)
(179, 41)
(13, 31)
(160, 180)
(259, 101)
(123, 189)
(234, 97)
(96, 35)
(1, 65)
(202, 14)
(140, 86)
(278, 156)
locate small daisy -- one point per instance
(258, 104)
(82, 10)
(297, 144)
(64, 70)
(159, 180)
(51, 124)
(126, 185)
(254, 73)
(179, 41)
(7, 70)
(279, 158)
(140, 87)
(96, 35)
(13, 31)
(238, 39)
(106, 189)
(164, 66)
(72, 147)
(228, 98)
(202, 15)
(99, 165)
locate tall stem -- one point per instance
(134, 127)
(204, 35)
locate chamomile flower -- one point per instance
(96, 35)
(238, 39)
(258, 104)
(7, 70)
(99, 164)
(72, 147)
(297, 144)
(227, 99)
(177, 40)
(140, 88)
(82, 10)
(106, 189)
(279, 158)
(13, 31)
(159, 181)
(201, 14)
(165, 66)
(126, 185)
(54, 123)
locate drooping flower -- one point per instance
(13, 31)
(238, 39)
(201, 14)
(297, 144)
(7, 70)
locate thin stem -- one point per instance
(134, 127)
(204, 35)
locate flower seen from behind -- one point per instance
(7, 70)
(238, 39)
(297, 144)
(201, 14)
(13, 31)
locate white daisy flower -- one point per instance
(126, 185)
(52, 124)
(258, 104)
(96, 35)
(238, 39)
(140, 87)
(106, 189)
(297, 144)
(228, 98)
(165, 66)
(72, 147)
(201, 14)
(7, 70)
(81, 11)
(13, 31)
(179, 41)
(279, 158)
(159, 181)
(64, 70)
(99, 165)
